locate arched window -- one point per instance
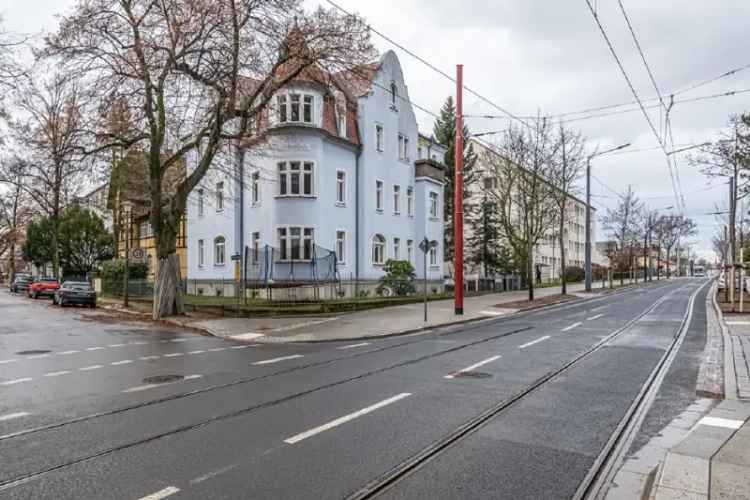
(219, 251)
(378, 249)
(394, 92)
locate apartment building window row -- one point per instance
(296, 178)
(295, 108)
(379, 251)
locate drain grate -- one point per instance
(163, 379)
(33, 351)
(472, 375)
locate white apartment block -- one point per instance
(337, 174)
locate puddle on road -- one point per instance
(33, 351)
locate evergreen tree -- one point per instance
(445, 133)
(484, 245)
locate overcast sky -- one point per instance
(548, 56)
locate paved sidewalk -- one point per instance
(738, 333)
(392, 320)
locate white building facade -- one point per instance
(331, 193)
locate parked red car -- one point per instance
(43, 287)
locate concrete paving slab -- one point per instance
(730, 482)
(686, 474)
(703, 442)
(665, 493)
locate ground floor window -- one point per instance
(296, 243)
(378, 250)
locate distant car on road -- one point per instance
(43, 287)
(20, 283)
(75, 292)
(699, 272)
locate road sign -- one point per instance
(138, 254)
(236, 257)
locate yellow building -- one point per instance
(142, 237)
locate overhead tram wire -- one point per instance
(434, 68)
(636, 96)
(711, 80)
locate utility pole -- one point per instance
(732, 234)
(458, 197)
(587, 255)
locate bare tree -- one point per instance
(569, 165)
(622, 222)
(197, 77)
(15, 211)
(672, 229)
(720, 245)
(520, 168)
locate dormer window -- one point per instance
(296, 108)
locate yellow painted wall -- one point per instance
(149, 244)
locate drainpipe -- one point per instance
(356, 220)
(239, 213)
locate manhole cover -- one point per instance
(472, 375)
(33, 351)
(162, 379)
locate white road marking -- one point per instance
(493, 313)
(94, 348)
(39, 356)
(592, 318)
(57, 374)
(11, 416)
(205, 477)
(473, 367)
(169, 491)
(247, 336)
(146, 358)
(140, 342)
(4, 361)
(527, 344)
(239, 347)
(738, 322)
(152, 386)
(196, 352)
(174, 354)
(353, 346)
(64, 353)
(217, 349)
(179, 340)
(344, 419)
(721, 422)
(123, 362)
(115, 345)
(574, 325)
(89, 368)
(17, 381)
(276, 360)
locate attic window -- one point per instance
(296, 108)
(394, 93)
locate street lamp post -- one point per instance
(127, 207)
(588, 209)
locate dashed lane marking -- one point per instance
(95, 348)
(721, 422)
(123, 362)
(276, 360)
(473, 367)
(89, 368)
(57, 374)
(17, 381)
(166, 492)
(4, 361)
(574, 325)
(353, 346)
(174, 354)
(527, 344)
(592, 318)
(13, 416)
(65, 353)
(345, 418)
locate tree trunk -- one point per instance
(55, 248)
(563, 281)
(669, 265)
(12, 261)
(168, 299)
(532, 274)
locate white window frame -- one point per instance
(201, 253)
(200, 202)
(341, 187)
(255, 188)
(410, 201)
(396, 199)
(379, 195)
(379, 137)
(340, 246)
(434, 201)
(306, 233)
(304, 102)
(396, 248)
(220, 196)
(223, 253)
(382, 244)
(433, 257)
(410, 251)
(287, 173)
(403, 147)
(255, 248)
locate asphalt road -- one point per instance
(81, 416)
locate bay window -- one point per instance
(296, 108)
(296, 243)
(295, 178)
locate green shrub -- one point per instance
(399, 278)
(114, 271)
(574, 273)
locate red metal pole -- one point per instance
(458, 196)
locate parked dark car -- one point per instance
(20, 283)
(75, 292)
(43, 287)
